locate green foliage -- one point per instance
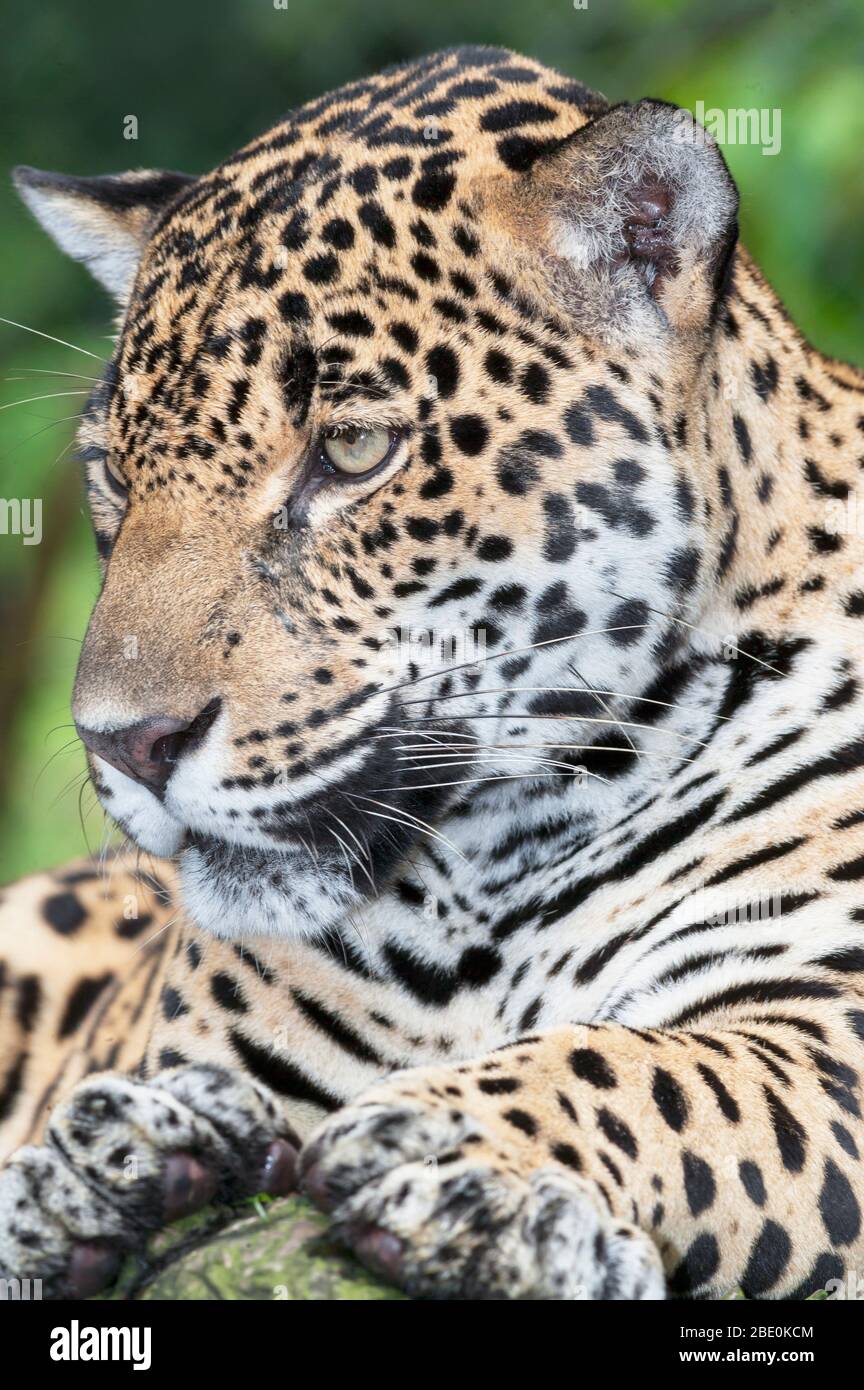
(203, 78)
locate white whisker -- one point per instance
(705, 632)
(566, 718)
(424, 825)
(51, 396)
(51, 339)
(550, 690)
(48, 371)
(470, 781)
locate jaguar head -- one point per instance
(378, 470)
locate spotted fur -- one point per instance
(554, 952)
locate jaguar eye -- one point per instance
(116, 481)
(357, 451)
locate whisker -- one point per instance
(551, 690)
(470, 781)
(170, 923)
(56, 754)
(312, 850)
(705, 632)
(512, 651)
(343, 847)
(79, 777)
(48, 371)
(361, 386)
(64, 419)
(361, 866)
(51, 339)
(568, 637)
(119, 849)
(574, 747)
(566, 718)
(51, 396)
(63, 451)
(56, 729)
(424, 825)
(352, 922)
(502, 754)
(313, 854)
(51, 637)
(619, 724)
(81, 816)
(438, 750)
(400, 731)
(348, 831)
(449, 761)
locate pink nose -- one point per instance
(149, 751)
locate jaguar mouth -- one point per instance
(273, 861)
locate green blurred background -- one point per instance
(201, 78)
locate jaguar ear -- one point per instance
(104, 221)
(642, 211)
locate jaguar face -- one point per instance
(376, 472)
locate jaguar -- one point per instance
(476, 674)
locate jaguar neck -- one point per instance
(778, 436)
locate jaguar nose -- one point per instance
(150, 750)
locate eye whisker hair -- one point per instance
(51, 396)
(51, 424)
(50, 337)
(49, 371)
(363, 387)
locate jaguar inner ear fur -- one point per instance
(645, 210)
(480, 640)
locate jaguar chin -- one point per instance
(238, 892)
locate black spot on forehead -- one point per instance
(339, 233)
(433, 190)
(294, 307)
(352, 324)
(298, 378)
